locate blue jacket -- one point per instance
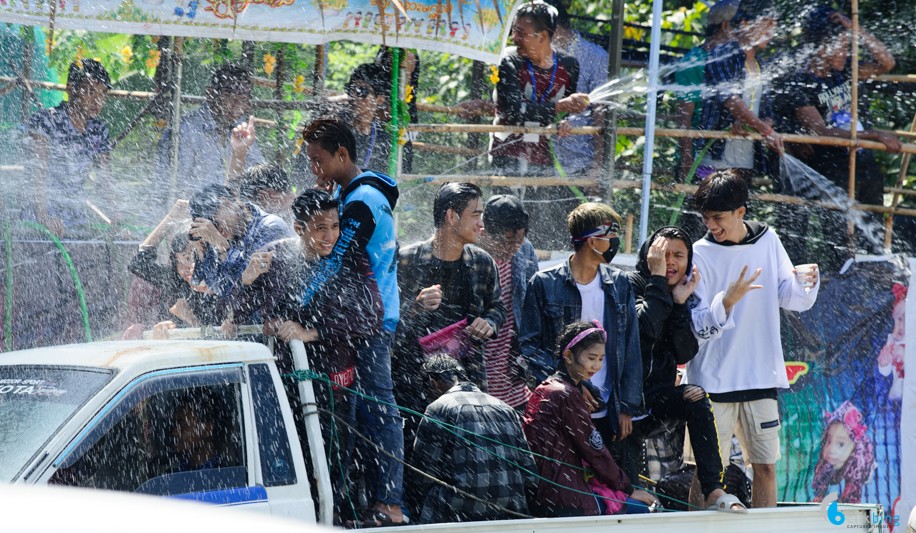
(553, 301)
(366, 227)
(524, 265)
(223, 277)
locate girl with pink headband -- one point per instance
(847, 455)
(584, 479)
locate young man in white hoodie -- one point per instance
(740, 362)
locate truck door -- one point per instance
(281, 465)
(177, 433)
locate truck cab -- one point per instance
(199, 420)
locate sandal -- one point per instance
(374, 518)
(728, 503)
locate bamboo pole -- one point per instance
(28, 53)
(175, 120)
(898, 191)
(500, 181)
(442, 149)
(897, 78)
(854, 113)
(628, 248)
(278, 95)
(662, 132)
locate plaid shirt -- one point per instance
(466, 459)
(415, 272)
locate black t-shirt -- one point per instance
(452, 276)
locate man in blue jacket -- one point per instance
(367, 200)
(586, 287)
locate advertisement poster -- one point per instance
(842, 430)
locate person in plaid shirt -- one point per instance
(482, 451)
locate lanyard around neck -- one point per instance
(534, 82)
(371, 147)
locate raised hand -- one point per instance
(243, 136)
(685, 288)
(656, 257)
(740, 287)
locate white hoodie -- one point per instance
(748, 355)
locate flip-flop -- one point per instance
(374, 518)
(728, 503)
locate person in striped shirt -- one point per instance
(504, 237)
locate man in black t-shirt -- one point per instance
(817, 100)
(444, 281)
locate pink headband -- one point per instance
(586, 333)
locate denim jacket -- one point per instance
(553, 301)
(524, 265)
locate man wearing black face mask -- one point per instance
(586, 287)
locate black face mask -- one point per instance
(608, 255)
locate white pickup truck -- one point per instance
(210, 421)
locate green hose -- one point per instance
(73, 274)
(395, 98)
(8, 308)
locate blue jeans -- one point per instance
(381, 418)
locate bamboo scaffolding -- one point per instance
(663, 132)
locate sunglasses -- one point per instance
(358, 91)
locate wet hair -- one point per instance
(265, 176)
(562, 13)
(455, 196)
(504, 213)
(724, 190)
(206, 201)
(84, 71)
(542, 15)
(178, 244)
(373, 75)
(819, 26)
(570, 332)
(750, 11)
(230, 77)
(445, 367)
(330, 135)
(311, 202)
(586, 217)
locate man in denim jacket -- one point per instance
(586, 287)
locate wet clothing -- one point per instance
(577, 152)
(223, 277)
(746, 358)
(170, 287)
(558, 426)
(373, 149)
(832, 97)
(667, 340)
(553, 301)
(505, 375)
(727, 76)
(482, 451)
(72, 155)
(419, 269)
(526, 95)
(367, 227)
(367, 230)
(204, 153)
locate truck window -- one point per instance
(35, 401)
(168, 436)
(273, 441)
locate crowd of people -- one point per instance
(527, 391)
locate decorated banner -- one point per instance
(475, 29)
(842, 432)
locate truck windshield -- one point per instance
(35, 401)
